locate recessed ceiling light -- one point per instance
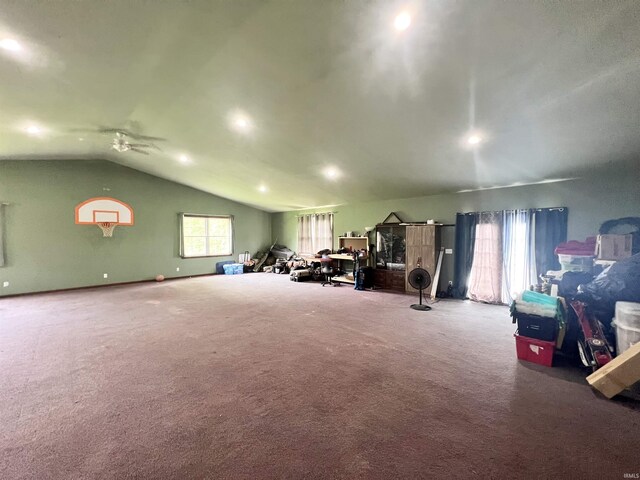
(10, 45)
(240, 122)
(184, 159)
(474, 139)
(402, 21)
(331, 173)
(33, 130)
(263, 188)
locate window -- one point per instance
(499, 254)
(485, 278)
(206, 235)
(315, 232)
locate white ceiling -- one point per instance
(553, 87)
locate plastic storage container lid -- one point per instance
(628, 314)
(586, 259)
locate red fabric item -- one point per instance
(574, 247)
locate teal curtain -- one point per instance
(550, 230)
(463, 252)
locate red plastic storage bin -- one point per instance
(534, 350)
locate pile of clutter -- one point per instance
(589, 309)
(541, 326)
(274, 259)
(280, 259)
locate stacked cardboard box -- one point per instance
(613, 247)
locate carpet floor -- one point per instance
(254, 376)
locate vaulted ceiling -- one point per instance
(267, 95)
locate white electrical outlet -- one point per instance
(105, 275)
(5, 284)
(177, 269)
(448, 251)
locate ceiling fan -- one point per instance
(121, 141)
(121, 144)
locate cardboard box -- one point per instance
(613, 247)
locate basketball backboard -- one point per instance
(105, 212)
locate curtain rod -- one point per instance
(514, 210)
(318, 213)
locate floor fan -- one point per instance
(419, 279)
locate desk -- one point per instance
(340, 257)
(309, 259)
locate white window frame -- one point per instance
(182, 216)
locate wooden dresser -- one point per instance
(389, 279)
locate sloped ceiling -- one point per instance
(553, 88)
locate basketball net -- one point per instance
(107, 228)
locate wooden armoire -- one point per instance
(423, 242)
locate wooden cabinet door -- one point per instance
(389, 279)
(379, 278)
(415, 235)
(397, 280)
(422, 243)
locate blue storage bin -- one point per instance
(220, 266)
(233, 269)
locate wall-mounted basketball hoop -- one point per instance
(104, 212)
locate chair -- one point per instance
(327, 271)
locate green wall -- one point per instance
(598, 196)
(46, 250)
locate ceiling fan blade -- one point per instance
(118, 131)
(137, 150)
(135, 131)
(111, 130)
(146, 137)
(130, 134)
(145, 145)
